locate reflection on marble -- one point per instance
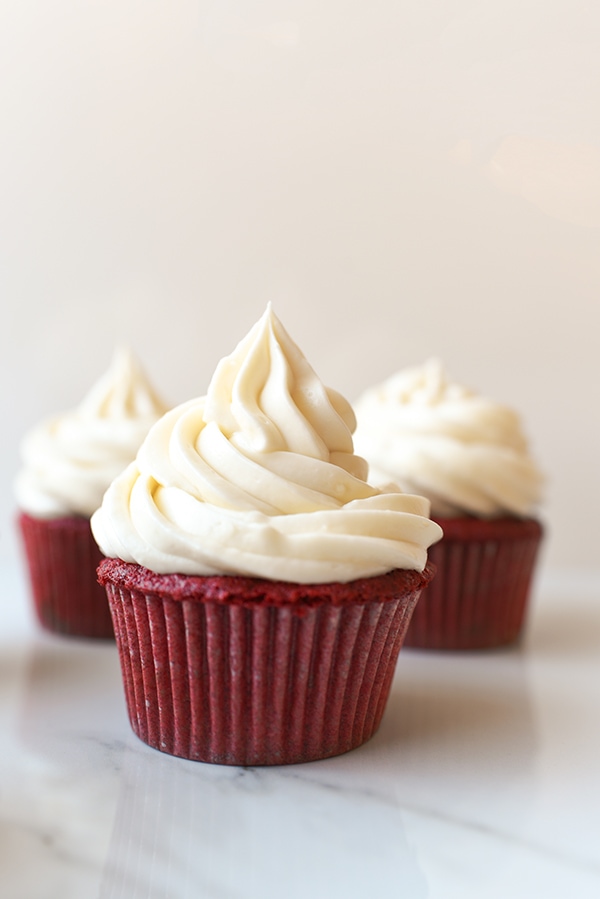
(61, 675)
(67, 738)
(280, 831)
(483, 781)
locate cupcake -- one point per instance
(68, 462)
(469, 457)
(260, 588)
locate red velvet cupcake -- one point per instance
(260, 588)
(479, 597)
(69, 461)
(246, 671)
(468, 456)
(62, 558)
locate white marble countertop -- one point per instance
(483, 781)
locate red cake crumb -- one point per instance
(249, 590)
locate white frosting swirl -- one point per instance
(259, 478)
(70, 460)
(465, 453)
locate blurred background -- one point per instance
(402, 179)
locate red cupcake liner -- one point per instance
(62, 558)
(243, 671)
(478, 599)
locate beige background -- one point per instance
(402, 179)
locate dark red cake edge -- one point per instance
(253, 591)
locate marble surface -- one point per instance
(483, 781)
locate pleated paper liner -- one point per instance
(479, 597)
(62, 558)
(244, 671)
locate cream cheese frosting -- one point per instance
(467, 454)
(259, 478)
(69, 460)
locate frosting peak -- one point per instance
(123, 392)
(265, 397)
(259, 478)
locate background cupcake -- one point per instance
(260, 588)
(469, 456)
(68, 462)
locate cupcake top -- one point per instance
(259, 478)
(70, 460)
(467, 454)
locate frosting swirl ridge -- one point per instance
(259, 478)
